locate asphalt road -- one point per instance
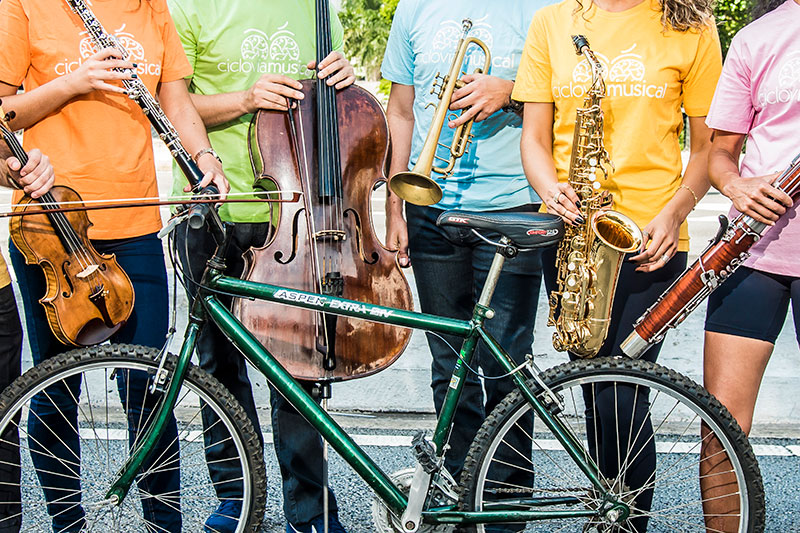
(781, 475)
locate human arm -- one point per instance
(661, 235)
(270, 91)
(755, 197)
(95, 74)
(481, 97)
(536, 148)
(400, 115)
(177, 105)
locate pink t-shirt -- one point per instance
(758, 94)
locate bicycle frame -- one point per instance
(207, 306)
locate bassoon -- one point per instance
(723, 255)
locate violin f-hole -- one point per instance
(65, 269)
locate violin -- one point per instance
(88, 297)
(332, 145)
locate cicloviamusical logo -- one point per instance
(625, 75)
(127, 40)
(262, 53)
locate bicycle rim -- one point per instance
(88, 383)
(666, 462)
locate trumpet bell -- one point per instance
(415, 188)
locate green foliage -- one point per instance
(366, 30)
(732, 16)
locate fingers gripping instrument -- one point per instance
(723, 255)
(590, 255)
(138, 92)
(416, 186)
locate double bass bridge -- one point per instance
(330, 235)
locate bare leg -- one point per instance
(732, 371)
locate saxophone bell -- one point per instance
(416, 186)
(590, 255)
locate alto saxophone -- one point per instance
(590, 255)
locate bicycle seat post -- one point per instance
(506, 251)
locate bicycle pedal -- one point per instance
(424, 452)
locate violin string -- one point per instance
(60, 223)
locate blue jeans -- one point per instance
(450, 268)
(10, 354)
(297, 444)
(142, 258)
(610, 409)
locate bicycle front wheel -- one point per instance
(72, 421)
(654, 435)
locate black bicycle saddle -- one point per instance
(525, 230)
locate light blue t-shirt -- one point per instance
(423, 42)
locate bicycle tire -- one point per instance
(100, 377)
(677, 504)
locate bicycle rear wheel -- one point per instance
(73, 420)
(660, 446)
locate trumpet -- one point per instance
(416, 186)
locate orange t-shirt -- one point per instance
(99, 143)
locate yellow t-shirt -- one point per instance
(4, 278)
(649, 73)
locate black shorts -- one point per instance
(753, 304)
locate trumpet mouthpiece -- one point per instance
(466, 25)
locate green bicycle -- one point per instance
(532, 466)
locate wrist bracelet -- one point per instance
(690, 192)
(205, 151)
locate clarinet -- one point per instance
(137, 91)
(723, 255)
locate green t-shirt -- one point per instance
(230, 45)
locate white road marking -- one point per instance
(404, 441)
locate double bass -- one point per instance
(331, 145)
(88, 297)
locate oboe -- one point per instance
(138, 92)
(723, 255)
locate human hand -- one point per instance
(562, 200)
(97, 71)
(212, 173)
(482, 96)
(271, 92)
(37, 176)
(397, 233)
(757, 198)
(337, 69)
(659, 241)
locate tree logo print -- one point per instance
(448, 35)
(582, 73)
(789, 73)
(126, 40)
(255, 45)
(280, 46)
(626, 67)
(284, 47)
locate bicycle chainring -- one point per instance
(386, 522)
